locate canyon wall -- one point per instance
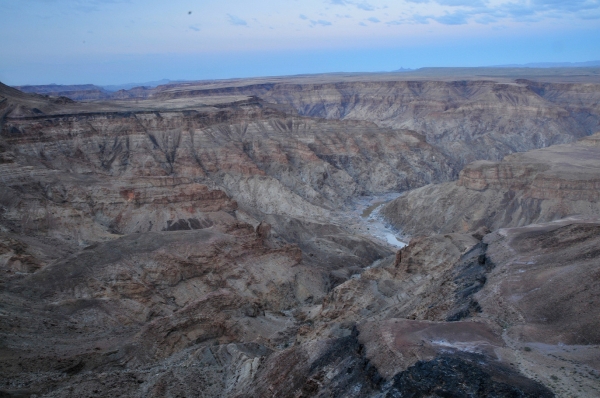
(465, 119)
(525, 188)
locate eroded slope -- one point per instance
(536, 186)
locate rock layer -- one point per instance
(466, 120)
(536, 186)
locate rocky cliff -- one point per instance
(119, 171)
(536, 186)
(465, 119)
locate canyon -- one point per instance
(224, 238)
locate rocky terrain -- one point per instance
(468, 114)
(524, 188)
(200, 239)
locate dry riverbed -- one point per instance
(365, 220)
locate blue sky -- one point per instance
(122, 41)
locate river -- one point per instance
(366, 220)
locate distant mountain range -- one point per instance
(588, 64)
(96, 92)
(551, 65)
(128, 86)
(53, 89)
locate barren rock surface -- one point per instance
(536, 186)
(465, 119)
(200, 239)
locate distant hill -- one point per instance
(74, 91)
(49, 89)
(81, 92)
(552, 65)
(128, 86)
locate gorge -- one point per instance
(208, 239)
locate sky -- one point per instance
(125, 41)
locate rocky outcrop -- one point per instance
(525, 188)
(76, 92)
(450, 375)
(512, 314)
(466, 120)
(542, 292)
(120, 172)
(138, 300)
(324, 162)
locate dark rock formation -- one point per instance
(463, 376)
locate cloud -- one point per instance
(320, 22)
(236, 21)
(455, 18)
(415, 19)
(421, 19)
(373, 19)
(365, 6)
(460, 12)
(361, 6)
(463, 3)
(538, 9)
(487, 12)
(362, 24)
(566, 5)
(516, 10)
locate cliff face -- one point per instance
(324, 162)
(118, 231)
(120, 172)
(453, 314)
(525, 188)
(487, 120)
(466, 120)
